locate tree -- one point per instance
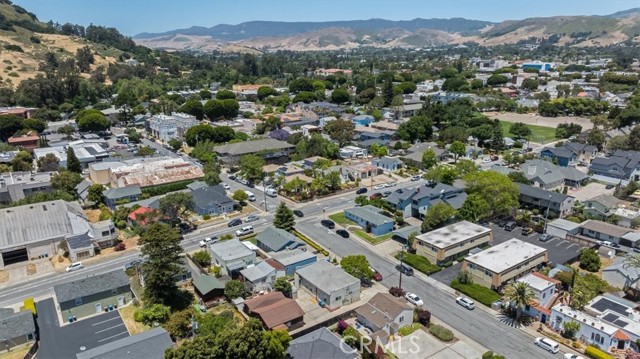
(48, 163)
(283, 285)
(569, 329)
(458, 149)
(240, 196)
(596, 138)
(497, 138)
(387, 92)
(199, 133)
(618, 143)
(251, 168)
(266, 91)
(589, 260)
(301, 85)
(519, 295)
(176, 204)
(530, 84)
(66, 181)
(194, 108)
(225, 95)
(9, 124)
(84, 58)
(498, 191)
(497, 80)
(634, 139)
(632, 261)
(93, 122)
(144, 151)
(234, 289)
(437, 216)
(67, 130)
(284, 218)
(203, 258)
(22, 162)
(212, 173)
(417, 128)
(161, 250)
(519, 177)
(340, 130)
(73, 163)
(340, 96)
(442, 174)
(357, 266)
(429, 159)
(520, 130)
(94, 193)
(378, 151)
(175, 144)
(179, 324)
(474, 208)
(33, 124)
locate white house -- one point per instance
(330, 284)
(621, 276)
(352, 152)
(546, 293)
(386, 313)
(175, 125)
(231, 256)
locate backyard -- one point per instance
(539, 134)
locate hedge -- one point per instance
(164, 189)
(441, 332)
(313, 244)
(419, 262)
(595, 353)
(477, 292)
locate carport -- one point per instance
(15, 256)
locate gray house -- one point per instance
(385, 313)
(212, 200)
(15, 186)
(320, 343)
(623, 165)
(232, 256)
(539, 198)
(622, 276)
(601, 207)
(330, 284)
(414, 202)
(85, 296)
(149, 345)
(415, 152)
(125, 194)
(387, 163)
(275, 240)
(16, 328)
(259, 277)
(546, 175)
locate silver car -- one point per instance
(252, 218)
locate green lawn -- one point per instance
(404, 331)
(339, 218)
(538, 133)
(480, 293)
(419, 263)
(371, 239)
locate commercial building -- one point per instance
(561, 228)
(329, 284)
(15, 186)
(87, 152)
(166, 127)
(16, 328)
(151, 172)
(510, 260)
(99, 172)
(448, 243)
(369, 218)
(232, 256)
(29, 141)
(273, 151)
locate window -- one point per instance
(78, 301)
(105, 233)
(30, 336)
(544, 295)
(461, 244)
(401, 319)
(339, 297)
(114, 291)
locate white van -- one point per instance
(244, 231)
(547, 344)
(250, 196)
(271, 192)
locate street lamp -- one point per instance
(546, 215)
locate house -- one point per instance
(16, 328)
(80, 247)
(408, 110)
(151, 344)
(29, 141)
(212, 200)
(143, 216)
(275, 311)
(293, 259)
(415, 153)
(275, 240)
(259, 277)
(167, 127)
(94, 294)
(15, 186)
(626, 215)
(620, 275)
(603, 231)
(618, 312)
(369, 218)
(320, 343)
(271, 150)
(329, 284)
(449, 243)
(352, 152)
(24, 112)
(115, 196)
(622, 165)
(231, 256)
(386, 163)
(154, 171)
(546, 292)
(562, 228)
(311, 161)
(208, 288)
(601, 207)
(496, 266)
(545, 174)
(359, 170)
(87, 151)
(363, 120)
(414, 202)
(385, 313)
(569, 153)
(539, 198)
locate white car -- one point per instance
(572, 356)
(74, 267)
(205, 242)
(487, 160)
(380, 186)
(225, 186)
(414, 299)
(466, 302)
(252, 218)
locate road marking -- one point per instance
(571, 245)
(113, 336)
(104, 321)
(560, 243)
(104, 330)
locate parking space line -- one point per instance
(111, 337)
(104, 330)
(571, 245)
(104, 321)
(560, 243)
(551, 240)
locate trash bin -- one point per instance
(70, 319)
(110, 307)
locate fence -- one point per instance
(32, 351)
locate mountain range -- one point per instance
(333, 35)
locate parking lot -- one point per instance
(65, 342)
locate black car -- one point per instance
(342, 233)
(361, 190)
(386, 194)
(503, 222)
(235, 222)
(232, 177)
(298, 213)
(510, 226)
(328, 223)
(405, 269)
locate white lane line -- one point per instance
(561, 243)
(104, 330)
(571, 245)
(104, 321)
(113, 336)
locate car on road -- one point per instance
(251, 218)
(209, 240)
(133, 264)
(547, 344)
(405, 269)
(342, 233)
(244, 231)
(390, 184)
(74, 267)
(510, 226)
(414, 299)
(235, 222)
(225, 186)
(375, 195)
(328, 223)
(545, 237)
(526, 231)
(466, 302)
(361, 190)
(232, 177)
(415, 178)
(572, 356)
(298, 213)
(376, 275)
(379, 186)
(386, 194)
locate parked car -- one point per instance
(605, 243)
(74, 267)
(486, 160)
(545, 237)
(225, 186)
(328, 223)
(342, 233)
(572, 356)
(609, 186)
(133, 264)
(361, 190)
(298, 213)
(246, 230)
(547, 344)
(390, 184)
(414, 299)
(251, 218)
(526, 231)
(466, 302)
(376, 275)
(375, 195)
(415, 178)
(501, 223)
(386, 194)
(405, 269)
(380, 186)
(207, 241)
(510, 226)
(232, 177)
(235, 222)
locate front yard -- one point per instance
(339, 218)
(370, 238)
(419, 263)
(479, 293)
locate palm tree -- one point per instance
(519, 294)
(632, 261)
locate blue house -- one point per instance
(414, 202)
(369, 218)
(127, 194)
(362, 120)
(568, 153)
(291, 260)
(387, 163)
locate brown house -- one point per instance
(275, 311)
(30, 140)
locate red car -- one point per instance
(376, 195)
(376, 275)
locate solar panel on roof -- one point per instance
(620, 323)
(603, 304)
(610, 317)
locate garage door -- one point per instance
(556, 232)
(15, 256)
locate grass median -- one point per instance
(419, 263)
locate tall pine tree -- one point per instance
(387, 92)
(73, 163)
(161, 249)
(284, 218)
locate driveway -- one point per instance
(446, 275)
(64, 342)
(421, 345)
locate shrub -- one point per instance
(11, 47)
(203, 258)
(121, 224)
(34, 39)
(420, 263)
(342, 326)
(595, 353)
(481, 294)
(120, 247)
(396, 292)
(352, 337)
(492, 355)
(206, 217)
(441, 332)
(422, 316)
(156, 313)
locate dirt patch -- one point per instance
(60, 262)
(4, 276)
(127, 317)
(93, 215)
(533, 119)
(16, 353)
(31, 269)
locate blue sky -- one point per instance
(134, 16)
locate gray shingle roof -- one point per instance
(320, 344)
(14, 325)
(326, 277)
(370, 214)
(540, 193)
(277, 239)
(117, 193)
(243, 148)
(204, 197)
(90, 285)
(148, 345)
(230, 249)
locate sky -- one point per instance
(131, 17)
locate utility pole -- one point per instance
(401, 259)
(546, 215)
(264, 192)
